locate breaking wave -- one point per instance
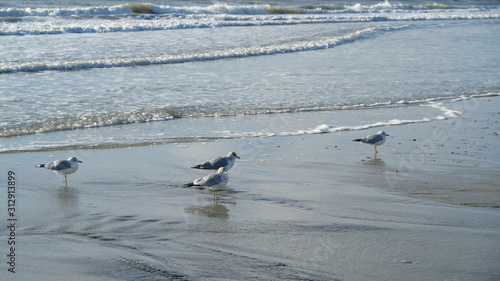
(220, 8)
(141, 17)
(183, 58)
(75, 122)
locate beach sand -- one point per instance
(310, 207)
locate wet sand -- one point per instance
(311, 207)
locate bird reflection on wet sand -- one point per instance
(211, 211)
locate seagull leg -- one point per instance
(65, 180)
(375, 148)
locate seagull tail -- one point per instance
(197, 167)
(358, 140)
(40, 166)
(190, 184)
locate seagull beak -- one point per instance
(79, 161)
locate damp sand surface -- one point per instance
(310, 207)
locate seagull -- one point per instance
(374, 140)
(214, 181)
(62, 167)
(226, 162)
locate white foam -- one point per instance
(325, 128)
(174, 59)
(227, 9)
(448, 112)
(157, 17)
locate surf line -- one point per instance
(319, 44)
(11, 221)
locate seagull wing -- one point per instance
(212, 180)
(59, 165)
(220, 162)
(373, 139)
(206, 165)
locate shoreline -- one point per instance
(420, 160)
(296, 123)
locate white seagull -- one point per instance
(62, 167)
(374, 140)
(214, 181)
(226, 162)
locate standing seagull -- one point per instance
(62, 167)
(226, 162)
(374, 140)
(215, 181)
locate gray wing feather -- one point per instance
(373, 139)
(220, 162)
(206, 165)
(211, 180)
(59, 165)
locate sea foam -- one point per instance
(300, 46)
(140, 17)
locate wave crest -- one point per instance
(174, 59)
(220, 8)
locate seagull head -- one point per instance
(382, 133)
(74, 159)
(233, 155)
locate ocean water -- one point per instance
(107, 74)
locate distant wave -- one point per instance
(143, 17)
(16, 26)
(221, 8)
(174, 59)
